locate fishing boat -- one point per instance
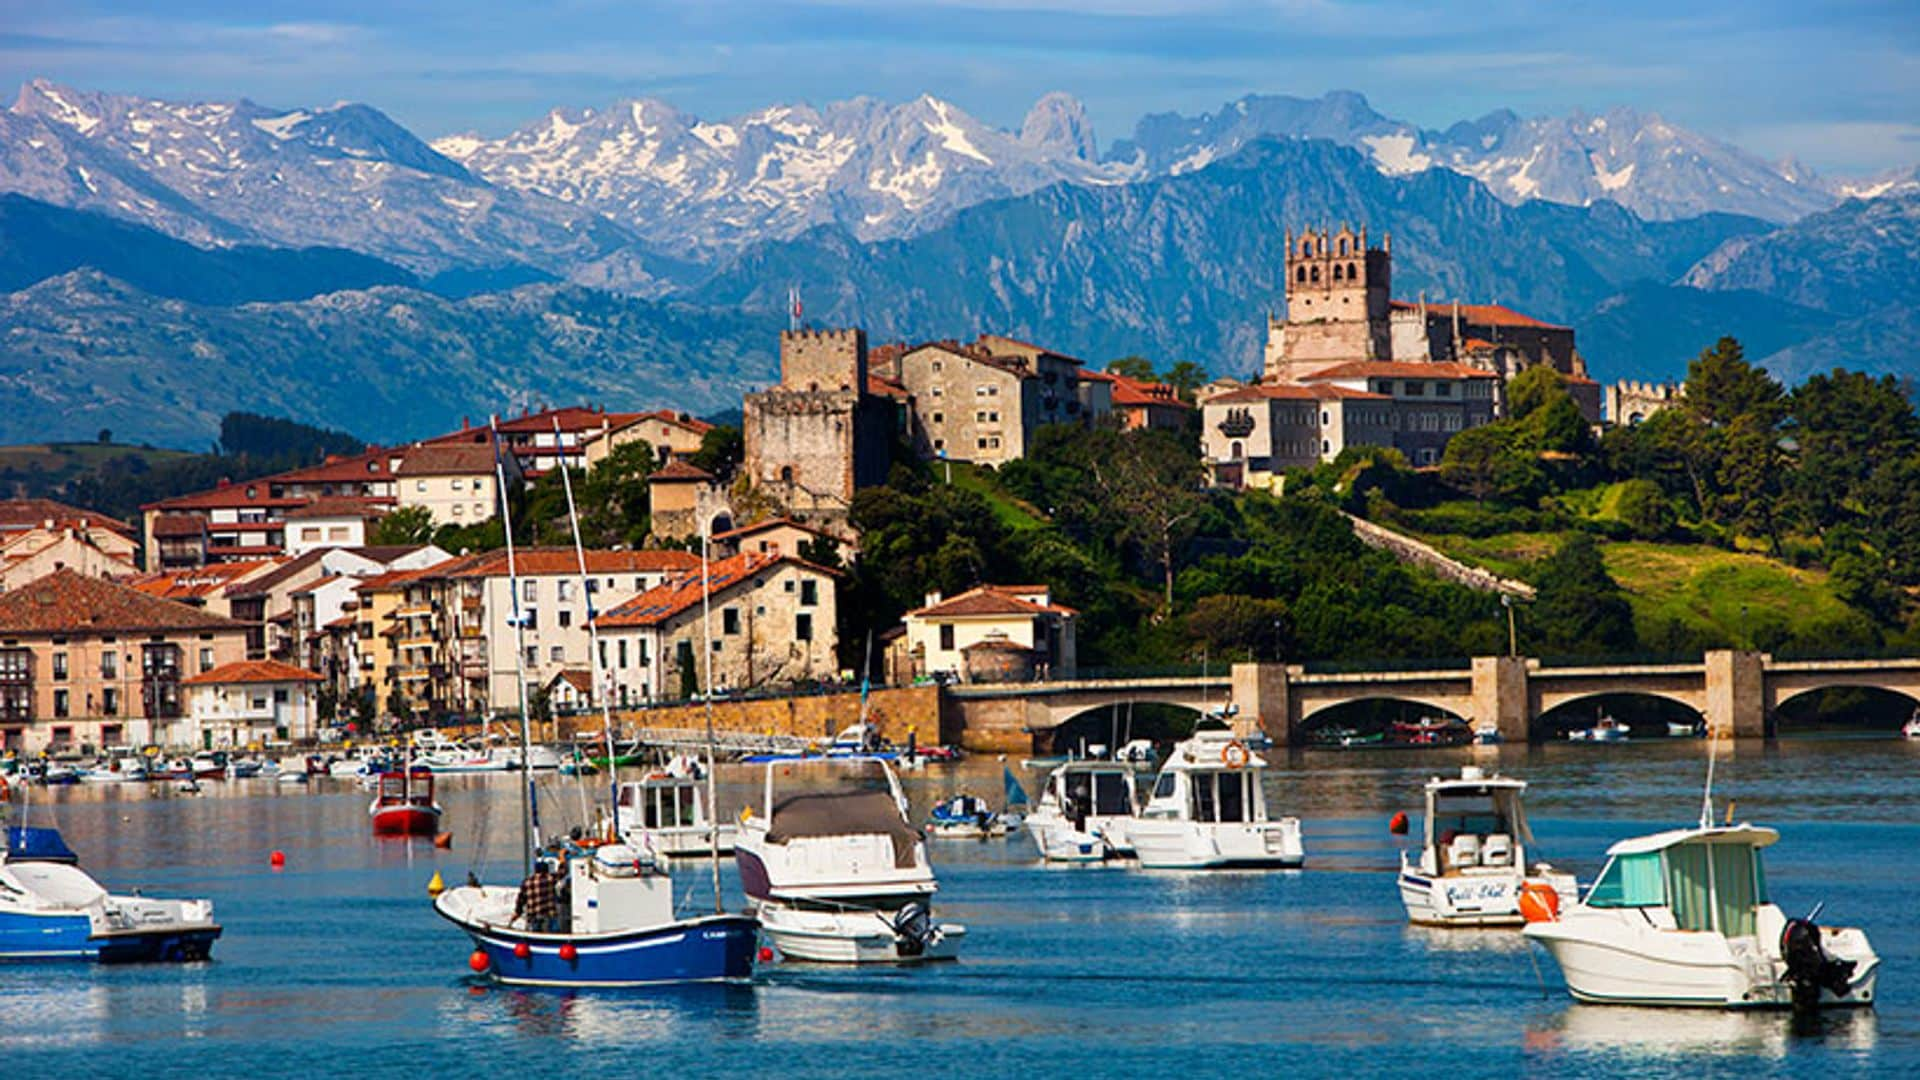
(1605, 729)
(403, 804)
(836, 871)
(964, 816)
(1486, 733)
(1682, 918)
(1209, 812)
(1084, 813)
(52, 909)
(1472, 865)
(619, 926)
(1429, 731)
(665, 812)
(1343, 736)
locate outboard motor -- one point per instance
(913, 929)
(1809, 968)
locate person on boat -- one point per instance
(539, 901)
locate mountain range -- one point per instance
(159, 234)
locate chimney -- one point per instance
(932, 598)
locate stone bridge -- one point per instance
(1735, 691)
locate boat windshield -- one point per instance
(1220, 796)
(1629, 881)
(1104, 792)
(1715, 887)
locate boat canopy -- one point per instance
(33, 844)
(1743, 833)
(843, 813)
(1478, 804)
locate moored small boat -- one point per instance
(1084, 812)
(403, 804)
(665, 812)
(1208, 811)
(1472, 866)
(51, 909)
(964, 817)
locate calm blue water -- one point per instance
(338, 964)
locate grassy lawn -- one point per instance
(63, 460)
(1011, 512)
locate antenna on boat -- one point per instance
(706, 632)
(602, 690)
(529, 834)
(1706, 798)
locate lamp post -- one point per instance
(1513, 636)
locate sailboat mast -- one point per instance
(706, 631)
(602, 687)
(529, 838)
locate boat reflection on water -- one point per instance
(1659, 1033)
(659, 1015)
(1501, 940)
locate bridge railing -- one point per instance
(1154, 671)
(1358, 667)
(1638, 659)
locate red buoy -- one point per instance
(522, 951)
(277, 860)
(443, 840)
(766, 955)
(478, 962)
(1539, 902)
(569, 953)
(1397, 825)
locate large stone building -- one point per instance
(87, 662)
(1340, 310)
(1629, 402)
(821, 433)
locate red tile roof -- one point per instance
(573, 419)
(252, 671)
(258, 493)
(881, 386)
(677, 470)
(1293, 392)
(1479, 314)
(200, 582)
(1132, 393)
(685, 421)
(356, 468)
(990, 600)
(546, 562)
(446, 459)
(33, 513)
(175, 526)
(658, 605)
(772, 523)
(1399, 369)
(67, 601)
(342, 506)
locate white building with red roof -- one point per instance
(990, 633)
(251, 703)
(670, 434)
(773, 624)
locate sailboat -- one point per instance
(617, 926)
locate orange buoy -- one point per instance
(277, 860)
(479, 962)
(766, 955)
(1539, 903)
(1397, 825)
(569, 953)
(443, 840)
(522, 950)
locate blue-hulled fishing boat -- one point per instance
(51, 909)
(613, 922)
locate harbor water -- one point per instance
(336, 963)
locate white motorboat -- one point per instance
(1912, 727)
(965, 816)
(1473, 864)
(836, 871)
(51, 909)
(1604, 729)
(1682, 918)
(1208, 811)
(1084, 813)
(539, 758)
(1486, 733)
(429, 748)
(1686, 729)
(665, 813)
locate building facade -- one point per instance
(87, 663)
(990, 633)
(821, 434)
(250, 704)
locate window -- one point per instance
(110, 664)
(939, 444)
(206, 659)
(60, 703)
(533, 654)
(993, 442)
(946, 638)
(939, 418)
(936, 365)
(730, 620)
(479, 509)
(280, 697)
(803, 628)
(1326, 447)
(556, 654)
(110, 701)
(939, 392)
(1164, 786)
(1414, 389)
(530, 591)
(563, 590)
(980, 417)
(530, 618)
(809, 592)
(603, 652)
(1325, 418)
(419, 485)
(993, 417)
(309, 532)
(566, 617)
(459, 510)
(623, 652)
(979, 391)
(1441, 389)
(337, 532)
(1629, 881)
(260, 704)
(59, 667)
(981, 444)
(994, 391)
(456, 484)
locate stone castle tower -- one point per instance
(819, 435)
(1339, 299)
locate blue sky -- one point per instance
(1838, 85)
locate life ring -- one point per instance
(1234, 755)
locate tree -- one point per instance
(363, 709)
(1751, 479)
(1721, 386)
(1133, 367)
(1247, 626)
(722, 449)
(1472, 459)
(105, 436)
(1532, 389)
(1581, 609)
(1645, 509)
(1185, 377)
(613, 499)
(1153, 481)
(1844, 424)
(405, 527)
(399, 706)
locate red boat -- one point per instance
(404, 806)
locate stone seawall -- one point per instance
(896, 712)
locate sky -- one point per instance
(1835, 85)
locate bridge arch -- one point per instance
(1847, 704)
(1114, 724)
(1646, 712)
(1380, 708)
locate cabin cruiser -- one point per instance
(1473, 864)
(1084, 813)
(432, 750)
(835, 869)
(1682, 918)
(51, 909)
(1208, 812)
(666, 813)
